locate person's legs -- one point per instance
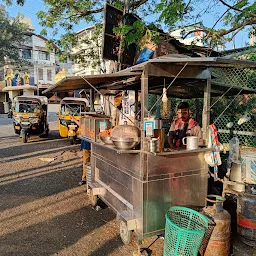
(86, 159)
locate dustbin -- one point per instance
(184, 231)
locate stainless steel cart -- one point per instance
(141, 186)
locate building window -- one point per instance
(49, 75)
(40, 74)
(43, 55)
(26, 54)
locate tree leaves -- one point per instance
(234, 15)
(12, 37)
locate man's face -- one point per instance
(183, 114)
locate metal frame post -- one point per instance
(91, 100)
(136, 103)
(206, 111)
(144, 104)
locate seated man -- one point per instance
(183, 126)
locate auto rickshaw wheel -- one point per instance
(72, 140)
(125, 234)
(47, 131)
(24, 137)
(17, 131)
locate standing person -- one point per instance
(86, 147)
(10, 108)
(183, 126)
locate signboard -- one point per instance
(113, 17)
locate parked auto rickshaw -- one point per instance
(74, 107)
(30, 116)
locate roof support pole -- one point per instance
(206, 111)
(136, 103)
(144, 104)
(91, 100)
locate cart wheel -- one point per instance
(72, 140)
(93, 198)
(24, 138)
(47, 131)
(125, 234)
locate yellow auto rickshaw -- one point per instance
(71, 108)
(30, 116)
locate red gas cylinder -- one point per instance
(219, 243)
(246, 215)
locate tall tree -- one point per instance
(231, 16)
(12, 37)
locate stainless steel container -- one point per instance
(106, 139)
(125, 143)
(126, 131)
(153, 145)
(236, 175)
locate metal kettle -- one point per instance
(126, 131)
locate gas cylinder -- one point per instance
(219, 243)
(246, 215)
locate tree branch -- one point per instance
(236, 9)
(186, 7)
(244, 24)
(137, 4)
(238, 30)
(222, 33)
(220, 18)
(86, 13)
(225, 13)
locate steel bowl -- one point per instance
(106, 139)
(125, 143)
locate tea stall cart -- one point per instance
(141, 186)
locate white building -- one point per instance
(194, 34)
(44, 64)
(89, 45)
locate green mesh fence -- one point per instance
(243, 105)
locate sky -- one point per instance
(32, 6)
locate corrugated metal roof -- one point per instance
(185, 86)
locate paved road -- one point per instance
(43, 211)
(5, 123)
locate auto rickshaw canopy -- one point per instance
(41, 99)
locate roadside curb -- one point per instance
(3, 115)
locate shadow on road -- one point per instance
(38, 152)
(29, 189)
(43, 211)
(108, 247)
(26, 172)
(45, 144)
(53, 235)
